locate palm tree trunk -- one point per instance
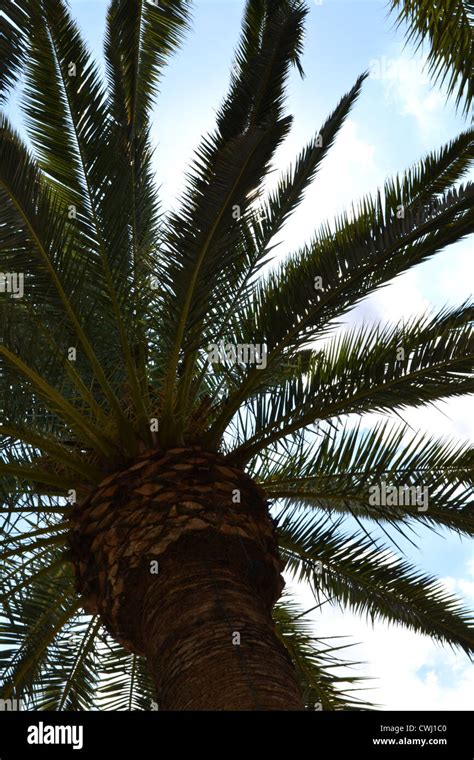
(209, 636)
(178, 556)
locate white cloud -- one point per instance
(407, 88)
(462, 586)
(350, 170)
(399, 300)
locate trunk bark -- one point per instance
(208, 633)
(178, 556)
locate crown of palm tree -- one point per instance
(107, 354)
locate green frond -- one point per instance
(289, 192)
(370, 369)
(85, 431)
(64, 104)
(14, 23)
(433, 175)
(204, 243)
(271, 42)
(140, 38)
(315, 661)
(29, 627)
(358, 572)
(342, 470)
(71, 681)
(259, 227)
(301, 300)
(49, 446)
(124, 681)
(447, 27)
(74, 136)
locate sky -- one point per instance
(398, 118)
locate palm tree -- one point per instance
(160, 392)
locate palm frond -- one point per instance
(29, 627)
(369, 369)
(140, 38)
(313, 288)
(14, 24)
(360, 573)
(124, 682)
(260, 226)
(343, 469)
(316, 662)
(74, 137)
(204, 235)
(447, 27)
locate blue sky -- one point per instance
(398, 118)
